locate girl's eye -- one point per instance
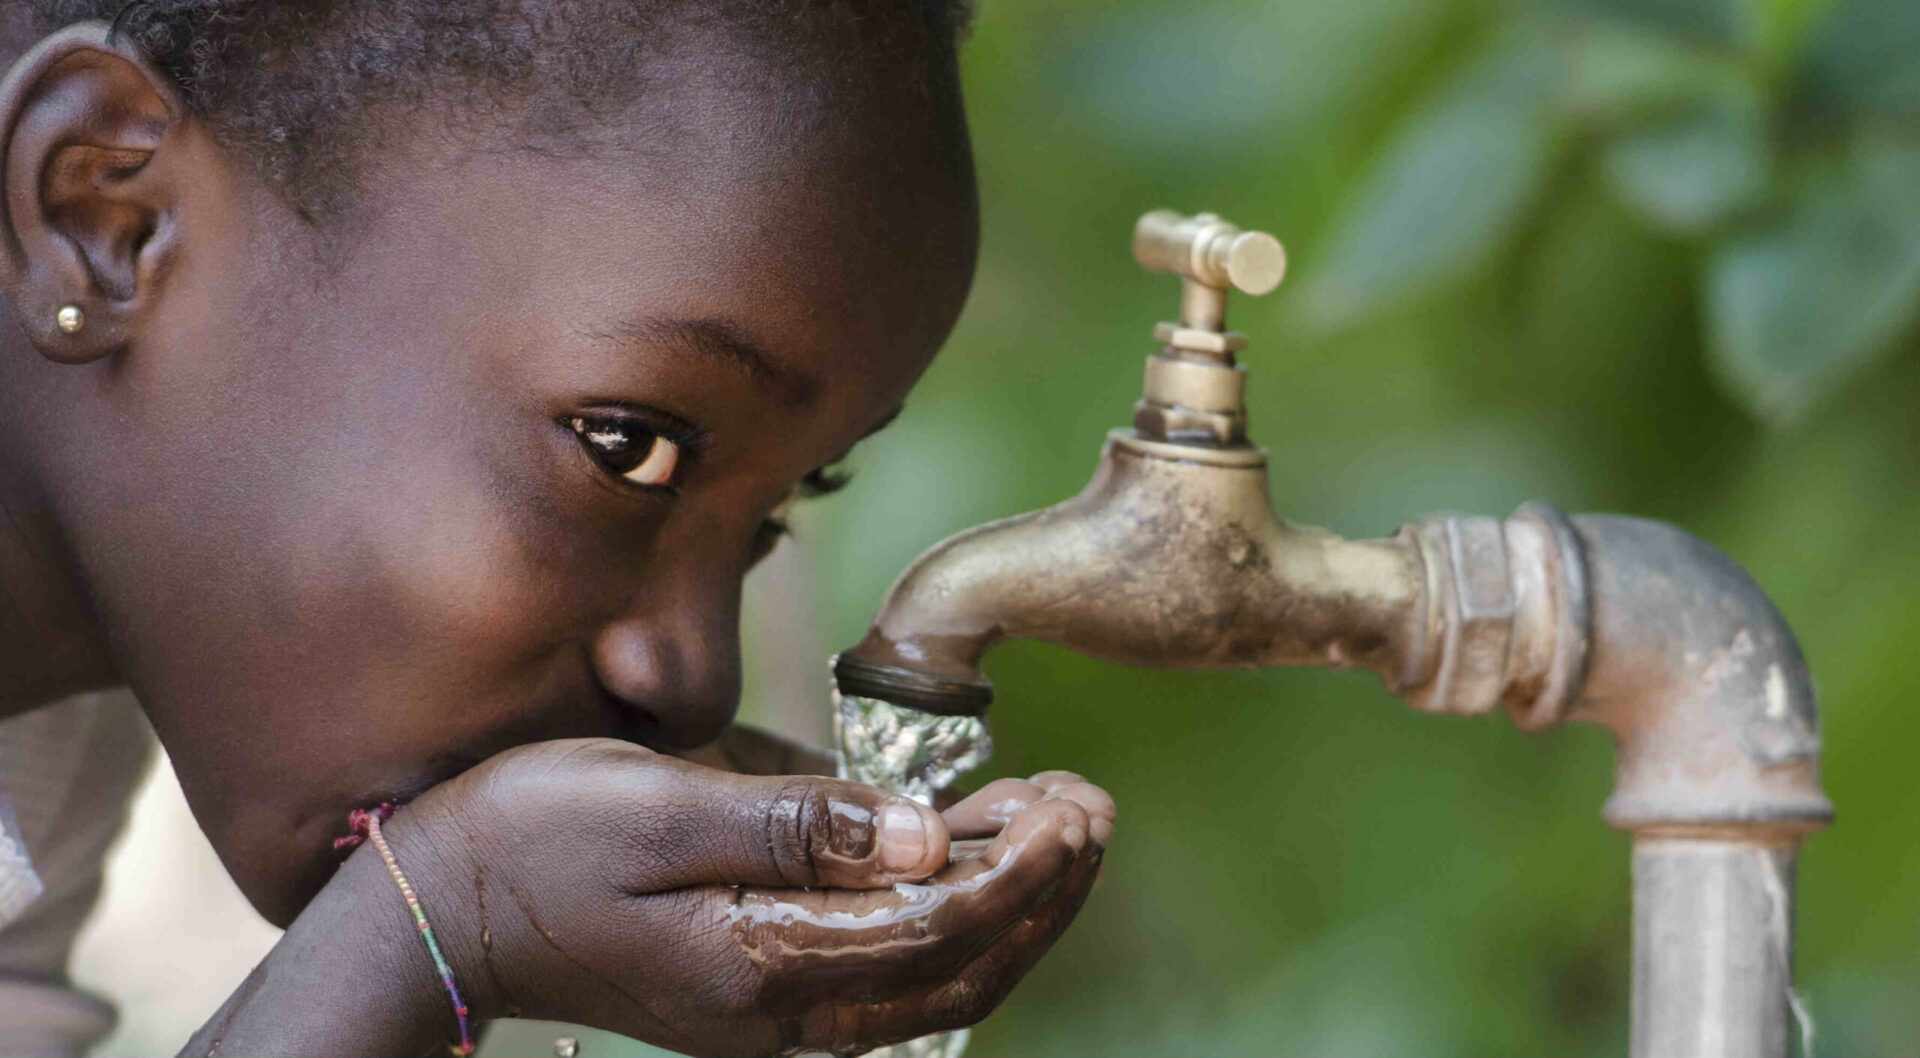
(629, 450)
(824, 481)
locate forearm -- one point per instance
(351, 977)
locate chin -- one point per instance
(280, 873)
(282, 856)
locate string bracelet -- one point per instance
(364, 824)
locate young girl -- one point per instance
(393, 395)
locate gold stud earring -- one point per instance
(70, 319)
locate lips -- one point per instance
(591, 710)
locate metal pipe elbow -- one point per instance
(1702, 683)
(1645, 630)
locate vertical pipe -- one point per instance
(1712, 948)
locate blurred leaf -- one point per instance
(1689, 173)
(1794, 307)
(1448, 188)
(1210, 76)
(1723, 23)
(1617, 73)
(1623, 73)
(1867, 57)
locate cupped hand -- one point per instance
(597, 882)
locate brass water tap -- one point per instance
(1172, 557)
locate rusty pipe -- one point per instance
(1702, 684)
(1172, 557)
(1672, 647)
(1625, 623)
(1716, 776)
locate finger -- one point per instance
(988, 811)
(868, 945)
(1016, 952)
(690, 825)
(1053, 780)
(973, 993)
(1097, 802)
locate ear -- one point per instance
(86, 126)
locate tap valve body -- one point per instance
(1195, 393)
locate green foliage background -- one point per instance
(1651, 256)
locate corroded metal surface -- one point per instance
(1702, 684)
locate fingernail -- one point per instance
(903, 837)
(1074, 835)
(852, 836)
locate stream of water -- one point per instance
(912, 753)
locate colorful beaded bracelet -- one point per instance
(365, 824)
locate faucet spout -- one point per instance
(1170, 558)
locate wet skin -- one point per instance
(776, 948)
(329, 499)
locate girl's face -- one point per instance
(491, 470)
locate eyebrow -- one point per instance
(718, 340)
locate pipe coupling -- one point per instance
(1508, 615)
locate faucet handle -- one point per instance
(1210, 256)
(1209, 251)
(1195, 394)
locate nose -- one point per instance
(675, 653)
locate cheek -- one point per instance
(451, 581)
(442, 589)
(393, 594)
(364, 629)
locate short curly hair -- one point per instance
(294, 84)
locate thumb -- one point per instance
(709, 827)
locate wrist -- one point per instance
(417, 926)
(452, 894)
(352, 974)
